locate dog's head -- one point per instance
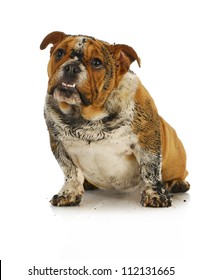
(83, 71)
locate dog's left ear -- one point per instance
(52, 38)
(124, 56)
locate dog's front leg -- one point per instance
(148, 152)
(72, 190)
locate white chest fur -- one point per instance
(108, 163)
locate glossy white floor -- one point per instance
(108, 230)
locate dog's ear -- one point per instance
(52, 38)
(124, 56)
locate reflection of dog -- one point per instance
(104, 126)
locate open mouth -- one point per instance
(69, 93)
(66, 92)
(67, 88)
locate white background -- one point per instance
(107, 230)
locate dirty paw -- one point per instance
(180, 186)
(66, 200)
(155, 197)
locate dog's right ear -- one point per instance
(52, 38)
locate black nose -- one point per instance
(71, 70)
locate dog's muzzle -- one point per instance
(66, 89)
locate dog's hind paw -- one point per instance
(66, 200)
(155, 197)
(178, 186)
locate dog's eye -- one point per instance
(59, 53)
(96, 63)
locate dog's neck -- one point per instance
(123, 96)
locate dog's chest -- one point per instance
(109, 162)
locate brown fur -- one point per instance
(143, 127)
(173, 152)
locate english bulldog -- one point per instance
(104, 127)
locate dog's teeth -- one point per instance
(64, 84)
(68, 85)
(71, 86)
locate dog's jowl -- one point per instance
(104, 127)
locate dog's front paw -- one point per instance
(155, 197)
(66, 199)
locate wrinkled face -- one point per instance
(80, 71)
(83, 71)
